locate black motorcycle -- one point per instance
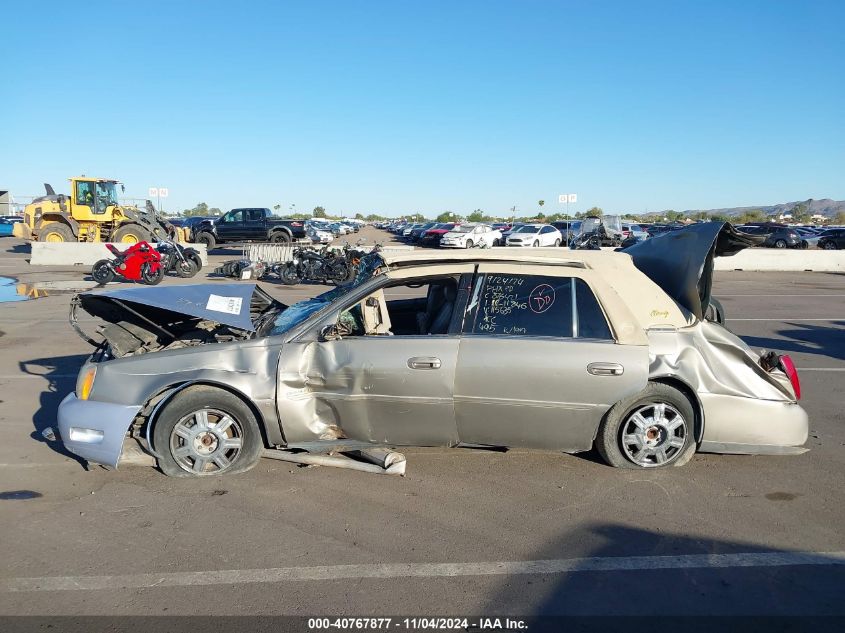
(315, 266)
(175, 258)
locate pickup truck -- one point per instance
(248, 225)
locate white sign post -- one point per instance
(566, 198)
(158, 193)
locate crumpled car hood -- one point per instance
(681, 262)
(235, 305)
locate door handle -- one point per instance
(424, 362)
(605, 369)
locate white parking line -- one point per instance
(719, 294)
(419, 570)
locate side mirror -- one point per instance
(330, 333)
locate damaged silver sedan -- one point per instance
(549, 349)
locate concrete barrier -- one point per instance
(83, 253)
(781, 260)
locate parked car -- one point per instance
(635, 231)
(809, 237)
(248, 225)
(406, 232)
(12, 219)
(568, 229)
(6, 227)
(507, 233)
(535, 235)
(585, 349)
(777, 236)
(318, 233)
(470, 235)
(433, 235)
(417, 233)
(832, 239)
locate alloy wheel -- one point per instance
(653, 434)
(206, 442)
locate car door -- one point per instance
(388, 388)
(538, 364)
(230, 225)
(254, 227)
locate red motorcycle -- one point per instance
(140, 262)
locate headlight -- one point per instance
(86, 383)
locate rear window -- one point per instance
(535, 305)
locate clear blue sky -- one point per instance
(429, 106)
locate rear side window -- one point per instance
(534, 305)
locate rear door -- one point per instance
(254, 227)
(538, 365)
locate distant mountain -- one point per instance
(825, 207)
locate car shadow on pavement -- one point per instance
(19, 248)
(60, 373)
(621, 570)
(805, 338)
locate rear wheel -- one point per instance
(339, 272)
(280, 237)
(56, 232)
(151, 277)
(557, 243)
(206, 431)
(652, 429)
(829, 246)
(131, 234)
(536, 243)
(780, 243)
(102, 272)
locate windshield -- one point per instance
(299, 312)
(527, 229)
(106, 193)
(464, 228)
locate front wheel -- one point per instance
(536, 243)
(652, 429)
(470, 244)
(206, 238)
(206, 431)
(780, 243)
(186, 268)
(103, 272)
(829, 246)
(151, 276)
(289, 275)
(557, 243)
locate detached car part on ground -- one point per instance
(542, 348)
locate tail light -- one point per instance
(785, 363)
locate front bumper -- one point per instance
(445, 244)
(94, 430)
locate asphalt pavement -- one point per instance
(465, 532)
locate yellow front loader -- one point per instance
(92, 213)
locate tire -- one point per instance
(470, 244)
(131, 234)
(206, 238)
(780, 243)
(639, 419)
(280, 237)
(192, 256)
(56, 232)
(339, 272)
(536, 243)
(186, 269)
(289, 275)
(187, 437)
(829, 246)
(151, 278)
(102, 272)
(557, 243)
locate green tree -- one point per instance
(319, 212)
(801, 212)
(839, 218)
(359, 216)
(593, 211)
(447, 216)
(476, 216)
(201, 209)
(752, 215)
